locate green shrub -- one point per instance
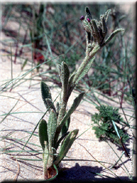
(104, 128)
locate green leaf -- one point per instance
(88, 13)
(65, 127)
(45, 93)
(95, 27)
(50, 104)
(60, 139)
(64, 79)
(112, 35)
(43, 137)
(71, 80)
(85, 70)
(63, 133)
(52, 125)
(107, 14)
(64, 72)
(67, 143)
(71, 85)
(70, 111)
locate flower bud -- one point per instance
(82, 17)
(88, 19)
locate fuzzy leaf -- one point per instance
(107, 14)
(60, 139)
(73, 107)
(64, 72)
(43, 137)
(71, 84)
(71, 79)
(85, 70)
(88, 13)
(64, 79)
(67, 143)
(70, 111)
(112, 35)
(95, 27)
(52, 125)
(50, 104)
(63, 133)
(104, 27)
(45, 92)
(65, 127)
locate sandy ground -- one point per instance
(80, 162)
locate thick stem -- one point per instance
(62, 111)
